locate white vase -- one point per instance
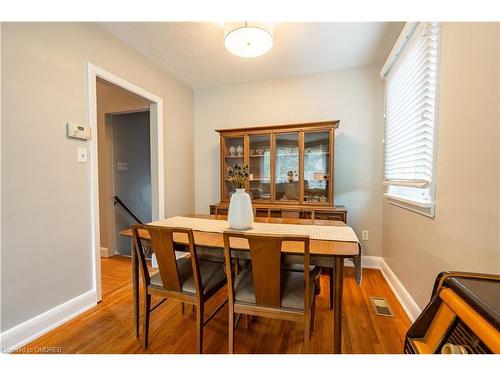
(240, 215)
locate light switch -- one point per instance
(82, 155)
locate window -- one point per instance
(410, 118)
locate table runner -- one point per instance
(315, 232)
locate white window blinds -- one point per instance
(410, 110)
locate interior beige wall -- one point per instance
(110, 99)
(354, 96)
(464, 234)
(46, 219)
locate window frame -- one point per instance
(422, 207)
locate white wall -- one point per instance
(46, 223)
(355, 97)
(464, 234)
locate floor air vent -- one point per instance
(381, 306)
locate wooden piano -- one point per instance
(462, 317)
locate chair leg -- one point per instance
(199, 327)
(147, 308)
(231, 329)
(331, 287)
(307, 333)
(183, 308)
(247, 322)
(313, 309)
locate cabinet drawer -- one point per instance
(324, 215)
(261, 212)
(289, 212)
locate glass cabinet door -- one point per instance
(287, 167)
(316, 166)
(259, 167)
(233, 155)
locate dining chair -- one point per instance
(264, 289)
(295, 213)
(187, 280)
(220, 212)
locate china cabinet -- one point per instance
(290, 169)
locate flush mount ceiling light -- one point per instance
(248, 39)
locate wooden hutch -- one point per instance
(290, 167)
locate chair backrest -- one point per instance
(266, 256)
(221, 213)
(162, 243)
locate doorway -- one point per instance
(131, 174)
(127, 163)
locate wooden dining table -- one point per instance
(323, 253)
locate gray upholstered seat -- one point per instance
(212, 274)
(314, 271)
(292, 289)
(297, 267)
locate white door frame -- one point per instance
(157, 167)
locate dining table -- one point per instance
(325, 253)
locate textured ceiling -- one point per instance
(194, 53)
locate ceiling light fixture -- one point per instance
(248, 39)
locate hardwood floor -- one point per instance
(107, 328)
(115, 273)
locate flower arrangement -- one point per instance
(238, 175)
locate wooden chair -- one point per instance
(221, 213)
(187, 280)
(264, 289)
(295, 213)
